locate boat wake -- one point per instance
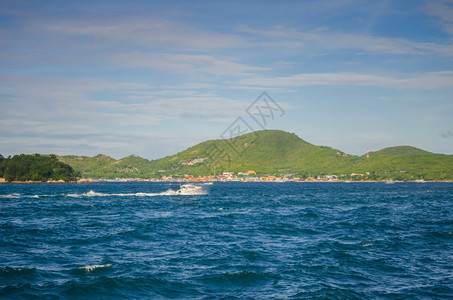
(92, 193)
(169, 192)
(17, 196)
(185, 189)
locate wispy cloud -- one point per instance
(129, 31)
(430, 80)
(443, 10)
(184, 63)
(60, 115)
(338, 40)
(49, 100)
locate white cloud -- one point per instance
(191, 86)
(125, 31)
(444, 11)
(59, 115)
(42, 87)
(430, 80)
(59, 104)
(183, 63)
(323, 37)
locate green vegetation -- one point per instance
(107, 167)
(265, 152)
(273, 152)
(35, 168)
(400, 151)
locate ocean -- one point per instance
(236, 241)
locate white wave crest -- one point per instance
(13, 195)
(92, 193)
(91, 268)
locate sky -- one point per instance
(152, 78)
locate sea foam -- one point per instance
(91, 268)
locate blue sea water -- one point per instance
(238, 241)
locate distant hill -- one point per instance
(105, 166)
(267, 151)
(273, 152)
(400, 151)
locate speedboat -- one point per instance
(190, 189)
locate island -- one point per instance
(266, 155)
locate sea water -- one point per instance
(237, 241)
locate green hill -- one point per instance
(400, 151)
(104, 166)
(408, 167)
(88, 166)
(267, 151)
(273, 152)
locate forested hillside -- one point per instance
(35, 167)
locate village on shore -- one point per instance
(249, 176)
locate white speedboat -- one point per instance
(190, 189)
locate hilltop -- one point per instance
(400, 151)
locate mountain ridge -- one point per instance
(271, 152)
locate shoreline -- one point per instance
(38, 182)
(84, 181)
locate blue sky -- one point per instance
(152, 78)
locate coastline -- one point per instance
(3, 181)
(131, 180)
(39, 182)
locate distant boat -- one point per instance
(389, 181)
(190, 189)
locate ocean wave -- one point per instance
(245, 241)
(92, 193)
(91, 268)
